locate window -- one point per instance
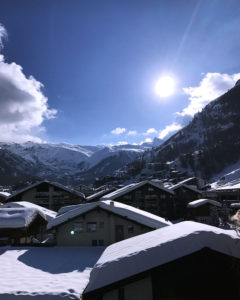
(101, 225)
(130, 229)
(94, 242)
(78, 227)
(100, 242)
(91, 226)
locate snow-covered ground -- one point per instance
(46, 273)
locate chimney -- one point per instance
(111, 203)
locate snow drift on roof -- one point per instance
(200, 202)
(17, 217)
(146, 251)
(132, 187)
(49, 214)
(121, 209)
(5, 194)
(46, 273)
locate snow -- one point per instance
(17, 217)
(200, 202)
(235, 205)
(46, 273)
(5, 194)
(121, 209)
(152, 249)
(50, 214)
(190, 187)
(100, 193)
(132, 187)
(56, 184)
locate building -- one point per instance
(183, 194)
(47, 194)
(187, 260)
(96, 197)
(20, 225)
(204, 211)
(3, 196)
(102, 223)
(146, 195)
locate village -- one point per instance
(122, 243)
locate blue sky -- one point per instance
(95, 65)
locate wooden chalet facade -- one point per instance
(146, 195)
(47, 194)
(101, 224)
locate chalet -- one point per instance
(96, 197)
(183, 194)
(187, 260)
(102, 223)
(3, 196)
(146, 195)
(20, 225)
(204, 211)
(47, 194)
(229, 192)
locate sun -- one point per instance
(165, 86)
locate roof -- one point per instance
(189, 187)
(235, 205)
(99, 194)
(56, 184)
(229, 187)
(200, 202)
(18, 217)
(146, 251)
(50, 214)
(132, 213)
(132, 187)
(4, 194)
(46, 272)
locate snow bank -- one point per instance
(200, 202)
(17, 217)
(146, 251)
(46, 273)
(121, 209)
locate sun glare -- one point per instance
(165, 86)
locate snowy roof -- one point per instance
(200, 202)
(4, 194)
(56, 184)
(235, 205)
(132, 213)
(190, 187)
(99, 194)
(46, 272)
(132, 187)
(65, 209)
(229, 187)
(18, 217)
(50, 214)
(146, 251)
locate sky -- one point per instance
(84, 72)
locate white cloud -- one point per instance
(118, 130)
(147, 140)
(168, 129)
(132, 132)
(23, 107)
(3, 34)
(211, 87)
(150, 131)
(122, 143)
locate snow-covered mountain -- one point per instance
(62, 162)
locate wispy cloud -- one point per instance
(150, 131)
(3, 35)
(122, 143)
(118, 130)
(169, 129)
(23, 104)
(132, 132)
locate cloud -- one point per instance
(132, 132)
(3, 34)
(122, 143)
(150, 131)
(211, 87)
(118, 130)
(168, 129)
(23, 107)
